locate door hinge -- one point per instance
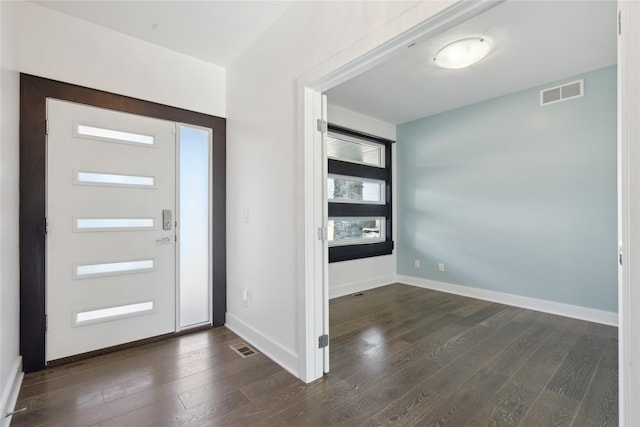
(322, 125)
(619, 22)
(323, 341)
(620, 250)
(323, 234)
(46, 226)
(46, 322)
(46, 127)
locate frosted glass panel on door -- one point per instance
(111, 313)
(114, 179)
(194, 227)
(113, 224)
(115, 135)
(113, 268)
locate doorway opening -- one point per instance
(335, 78)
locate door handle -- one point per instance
(165, 239)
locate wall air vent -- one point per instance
(562, 93)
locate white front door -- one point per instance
(111, 251)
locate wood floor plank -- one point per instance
(574, 375)
(513, 356)
(482, 314)
(312, 411)
(460, 369)
(509, 404)
(435, 322)
(551, 410)
(470, 337)
(600, 404)
(160, 414)
(407, 409)
(236, 380)
(343, 364)
(469, 306)
(272, 384)
(462, 405)
(389, 319)
(269, 406)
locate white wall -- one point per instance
(347, 277)
(64, 48)
(265, 158)
(10, 362)
(353, 120)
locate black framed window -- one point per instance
(359, 195)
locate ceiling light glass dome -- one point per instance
(462, 53)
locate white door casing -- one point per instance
(325, 241)
(628, 211)
(83, 249)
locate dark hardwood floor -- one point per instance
(400, 356)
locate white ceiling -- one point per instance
(535, 42)
(214, 31)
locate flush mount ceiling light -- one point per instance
(462, 53)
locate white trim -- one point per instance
(628, 209)
(365, 285)
(567, 310)
(315, 255)
(11, 391)
(269, 347)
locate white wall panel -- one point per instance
(10, 365)
(64, 48)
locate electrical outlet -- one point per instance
(441, 266)
(417, 263)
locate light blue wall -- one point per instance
(514, 197)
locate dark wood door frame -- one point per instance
(33, 94)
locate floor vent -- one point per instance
(243, 349)
(562, 93)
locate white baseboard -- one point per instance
(274, 351)
(352, 288)
(11, 391)
(566, 310)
